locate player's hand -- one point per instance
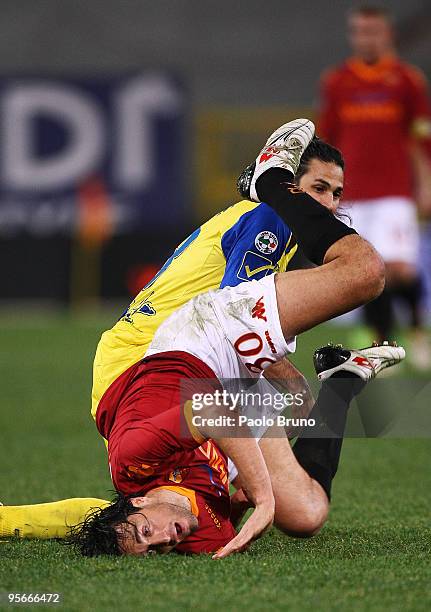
(261, 520)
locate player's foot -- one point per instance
(365, 363)
(283, 149)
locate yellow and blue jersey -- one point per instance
(244, 242)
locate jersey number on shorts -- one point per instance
(249, 345)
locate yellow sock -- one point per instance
(51, 520)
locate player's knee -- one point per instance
(377, 275)
(306, 523)
(368, 277)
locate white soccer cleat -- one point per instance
(365, 363)
(283, 149)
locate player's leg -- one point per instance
(401, 257)
(391, 225)
(302, 477)
(301, 504)
(405, 283)
(353, 272)
(352, 275)
(45, 521)
(379, 313)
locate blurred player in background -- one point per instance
(373, 107)
(245, 242)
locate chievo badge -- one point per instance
(266, 242)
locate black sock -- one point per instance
(315, 228)
(411, 293)
(320, 456)
(379, 315)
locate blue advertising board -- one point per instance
(60, 137)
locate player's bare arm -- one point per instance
(256, 484)
(284, 375)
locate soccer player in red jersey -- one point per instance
(373, 107)
(169, 463)
(239, 256)
(170, 470)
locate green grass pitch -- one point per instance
(373, 554)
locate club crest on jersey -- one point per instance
(178, 474)
(266, 242)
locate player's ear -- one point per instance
(139, 502)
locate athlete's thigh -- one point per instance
(306, 298)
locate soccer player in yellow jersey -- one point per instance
(242, 243)
(247, 241)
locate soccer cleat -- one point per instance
(365, 363)
(283, 149)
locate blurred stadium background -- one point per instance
(124, 124)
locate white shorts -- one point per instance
(235, 331)
(390, 224)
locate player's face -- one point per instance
(157, 527)
(323, 181)
(370, 37)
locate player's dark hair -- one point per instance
(321, 150)
(96, 535)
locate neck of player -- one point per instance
(169, 497)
